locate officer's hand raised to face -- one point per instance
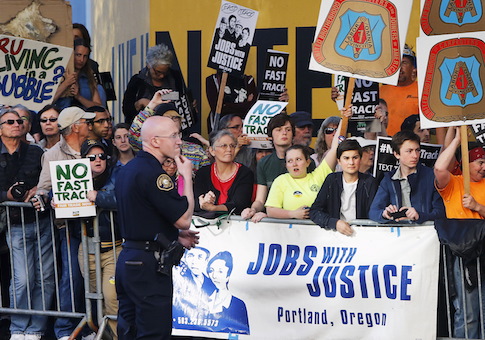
(184, 166)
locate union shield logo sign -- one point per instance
(452, 16)
(453, 89)
(461, 85)
(360, 37)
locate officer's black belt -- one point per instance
(142, 245)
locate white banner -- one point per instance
(30, 71)
(280, 281)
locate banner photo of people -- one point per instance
(452, 74)
(280, 281)
(385, 161)
(256, 122)
(232, 39)
(71, 181)
(361, 39)
(30, 71)
(273, 84)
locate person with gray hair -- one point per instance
(325, 137)
(74, 125)
(225, 185)
(157, 75)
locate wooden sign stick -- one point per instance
(348, 101)
(220, 98)
(465, 160)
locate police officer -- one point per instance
(149, 205)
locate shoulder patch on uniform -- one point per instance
(164, 182)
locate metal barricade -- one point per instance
(42, 274)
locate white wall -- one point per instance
(119, 34)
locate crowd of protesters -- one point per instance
(331, 185)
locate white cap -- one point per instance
(72, 114)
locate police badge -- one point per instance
(165, 183)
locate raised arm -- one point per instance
(331, 157)
(441, 172)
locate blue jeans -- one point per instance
(471, 299)
(33, 270)
(65, 326)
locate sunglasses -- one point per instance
(329, 131)
(12, 121)
(44, 120)
(102, 156)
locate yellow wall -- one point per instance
(180, 16)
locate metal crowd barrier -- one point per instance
(96, 320)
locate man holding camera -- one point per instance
(407, 193)
(20, 166)
(154, 220)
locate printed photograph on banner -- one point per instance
(203, 299)
(273, 84)
(362, 39)
(232, 39)
(384, 159)
(452, 74)
(280, 281)
(256, 122)
(30, 71)
(478, 130)
(447, 17)
(71, 181)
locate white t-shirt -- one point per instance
(347, 201)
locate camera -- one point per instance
(18, 191)
(398, 214)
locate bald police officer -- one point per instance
(149, 205)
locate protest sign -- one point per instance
(232, 39)
(362, 39)
(451, 89)
(298, 281)
(30, 71)
(273, 84)
(479, 132)
(71, 181)
(385, 161)
(339, 83)
(256, 122)
(364, 100)
(445, 17)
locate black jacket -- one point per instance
(238, 196)
(325, 211)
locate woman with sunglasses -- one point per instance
(324, 138)
(48, 124)
(103, 196)
(224, 185)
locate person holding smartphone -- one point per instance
(407, 193)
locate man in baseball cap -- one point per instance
(73, 114)
(303, 128)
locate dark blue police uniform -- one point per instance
(148, 204)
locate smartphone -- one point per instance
(174, 95)
(398, 214)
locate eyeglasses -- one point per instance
(225, 146)
(103, 120)
(173, 136)
(44, 120)
(329, 131)
(235, 127)
(102, 156)
(169, 162)
(12, 122)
